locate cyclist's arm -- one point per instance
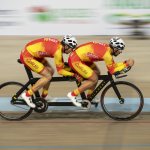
(111, 65)
(60, 64)
(67, 68)
(119, 64)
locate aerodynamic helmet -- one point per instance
(117, 43)
(70, 41)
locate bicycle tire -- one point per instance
(5, 111)
(136, 99)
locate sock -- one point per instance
(29, 92)
(90, 91)
(45, 92)
(76, 92)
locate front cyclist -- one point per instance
(33, 56)
(83, 58)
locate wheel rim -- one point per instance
(132, 106)
(7, 110)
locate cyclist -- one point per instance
(82, 61)
(33, 56)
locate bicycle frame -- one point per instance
(105, 79)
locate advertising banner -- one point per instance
(80, 17)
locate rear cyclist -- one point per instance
(33, 56)
(82, 62)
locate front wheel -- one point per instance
(132, 101)
(13, 112)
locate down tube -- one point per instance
(98, 89)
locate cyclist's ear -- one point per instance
(66, 46)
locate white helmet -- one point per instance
(70, 41)
(117, 43)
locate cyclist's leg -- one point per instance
(93, 66)
(50, 68)
(28, 60)
(85, 71)
(88, 84)
(46, 87)
(46, 77)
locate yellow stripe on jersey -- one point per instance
(33, 49)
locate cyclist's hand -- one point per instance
(125, 70)
(79, 78)
(66, 64)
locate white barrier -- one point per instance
(80, 17)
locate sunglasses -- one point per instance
(119, 50)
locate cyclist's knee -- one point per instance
(97, 72)
(94, 79)
(51, 70)
(47, 74)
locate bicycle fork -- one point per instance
(121, 100)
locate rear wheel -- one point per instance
(129, 109)
(13, 112)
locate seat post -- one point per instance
(29, 73)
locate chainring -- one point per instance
(86, 104)
(41, 105)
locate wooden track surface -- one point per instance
(82, 131)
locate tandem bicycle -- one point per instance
(120, 100)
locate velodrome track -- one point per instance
(76, 129)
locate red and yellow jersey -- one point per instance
(95, 51)
(49, 47)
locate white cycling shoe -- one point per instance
(28, 100)
(50, 99)
(74, 100)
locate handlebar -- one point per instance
(117, 75)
